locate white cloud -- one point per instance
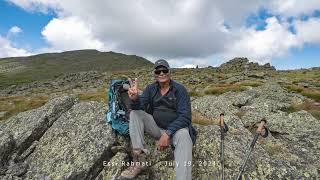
(294, 7)
(170, 29)
(70, 34)
(7, 50)
(308, 31)
(188, 66)
(186, 32)
(15, 30)
(262, 46)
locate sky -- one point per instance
(284, 33)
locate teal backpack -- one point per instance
(118, 112)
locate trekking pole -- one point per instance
(223, 129)
(261, 126)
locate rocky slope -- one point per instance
(67, 139)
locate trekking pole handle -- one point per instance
(221, 120)
(222, 124)
(261, 127)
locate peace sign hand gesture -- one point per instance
(133, 91)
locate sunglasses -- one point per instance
(165, 71)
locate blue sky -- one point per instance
(307, 57)
(30, 23)
(186, 34)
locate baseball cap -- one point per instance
(161, 62)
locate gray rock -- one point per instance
(113, 168)
(292, 123)
(10, 177)
(75, 146)
(242, 98)
(163, 170)
(17, 169)
(269, 99)
(7, 146)
(29, 126)
(295, 140)
(212, 106)
(27, 152)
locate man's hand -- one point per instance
(163, 141)
(133, 91)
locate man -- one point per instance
(163, 111)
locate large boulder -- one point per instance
(75, 146)
(29, 126)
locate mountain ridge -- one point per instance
(41, 67)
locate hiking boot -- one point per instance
(116, 149)
(137, 166)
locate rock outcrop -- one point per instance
(67, 139)
(243, 65)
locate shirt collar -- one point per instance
(170, 84)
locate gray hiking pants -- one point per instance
(141, 122)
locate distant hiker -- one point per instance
(163, 110)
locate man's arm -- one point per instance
(141, 102)
(183, 110)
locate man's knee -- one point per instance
(135, 114)
(182, 136)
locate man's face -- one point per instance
(162, 74)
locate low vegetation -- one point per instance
(311, 106)
(240, 114)
(13, 105)
(99, 95)
(274, 149)
(198, 118)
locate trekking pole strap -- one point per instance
(223, 126)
